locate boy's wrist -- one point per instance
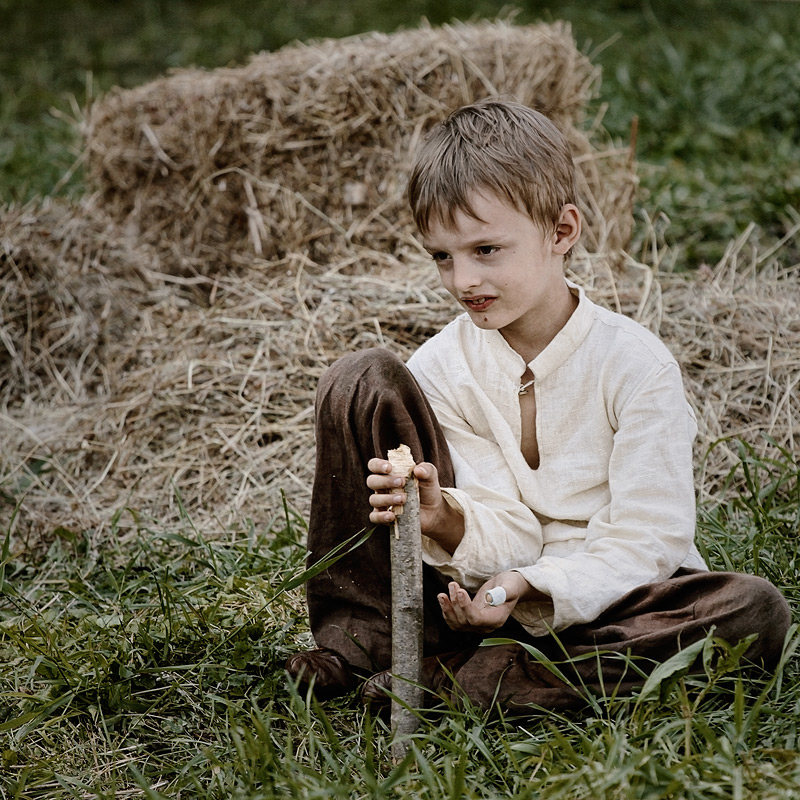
(446, 527)
(526, 592)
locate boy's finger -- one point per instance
(381, 483)
(428, 477)
(378, 500)
(460, 604)
(424, 471)
(450, 601)
(448, 612)
(377, 517)
(458, 596)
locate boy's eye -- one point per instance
(485, 249)
(440, 255)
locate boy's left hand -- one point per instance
(463, 613)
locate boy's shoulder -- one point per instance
(613, 329)
(461, 354)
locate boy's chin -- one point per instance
(483, 320)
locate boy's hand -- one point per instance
(475, 615)
(438, 520)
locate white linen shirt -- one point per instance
(611, 505)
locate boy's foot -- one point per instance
(375, 690)
(437, 678)
(330, 673)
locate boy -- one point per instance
(554, 450)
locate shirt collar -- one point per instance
(563, 344)
(568, 339)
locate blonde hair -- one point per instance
(498, 146)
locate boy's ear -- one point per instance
(568, 229)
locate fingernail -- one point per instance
(397, 499)
(397, 482)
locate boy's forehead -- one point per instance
(448, 228)
(480, 210)
(465, 210)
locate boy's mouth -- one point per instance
(478, 303)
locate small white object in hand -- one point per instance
(496, 596)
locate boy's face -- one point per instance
(505, 270)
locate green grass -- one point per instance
(149, 664)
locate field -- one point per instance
(142, 645)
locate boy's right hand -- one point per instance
(438, 519)
(388, 493)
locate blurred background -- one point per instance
(715, 87)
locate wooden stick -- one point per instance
(407, 624)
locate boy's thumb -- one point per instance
(428, 480)
(424, 472)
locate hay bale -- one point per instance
(71, 284)
(306, 150)
(209, 403)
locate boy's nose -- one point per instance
(466, 277)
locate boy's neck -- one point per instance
(530, 342)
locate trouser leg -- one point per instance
(650, 624)
(367, 403)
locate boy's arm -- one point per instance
(500, 531)
(470, 534)
(441, 523)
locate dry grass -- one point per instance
(161, 340)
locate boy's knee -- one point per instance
(360, 380)
(352, 367)
(770, 607)
(758, 607)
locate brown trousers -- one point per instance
(367, 403)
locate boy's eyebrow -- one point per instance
(426, 243)
(478, 241)
(430, 248)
